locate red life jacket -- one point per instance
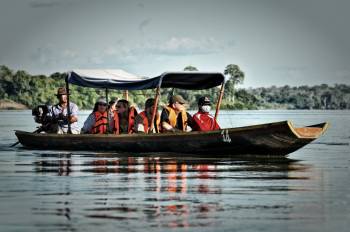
(101, 123)
(145, 121)
(131, 121)
(204, 122)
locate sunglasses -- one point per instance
(181, 103)
(102, 104)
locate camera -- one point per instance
(41, 114)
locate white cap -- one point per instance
(101, 100)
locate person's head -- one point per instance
(177, 103)
(149, 105)
(204, 104)
(100, 105)
(62, 95)
(122, 106)
(112, 104)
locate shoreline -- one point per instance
(6, 104)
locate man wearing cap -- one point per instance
(143, 119)
(60, 114)
(202, 120)
(174, 117)
(97, 122)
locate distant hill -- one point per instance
(19, 90)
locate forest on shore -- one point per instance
(19, 89)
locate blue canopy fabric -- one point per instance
(119, 79)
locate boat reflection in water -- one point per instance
(164, 192)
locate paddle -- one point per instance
(36, 131)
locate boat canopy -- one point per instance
(119, 79)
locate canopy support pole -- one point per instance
(108, 128)
(155, 109)
(219, 100)
(126, 95)
(68, 107)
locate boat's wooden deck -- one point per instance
(309, 132)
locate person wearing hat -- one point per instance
(174, 117)
(97, 121)
(143, 119)
(202, 120)
(60, 114)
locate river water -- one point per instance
(85, 191)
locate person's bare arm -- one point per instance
(166, 126)
(139, 127)
(74, 114)
(73, 119)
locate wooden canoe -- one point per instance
(278, 139)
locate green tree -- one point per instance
(190, 68)
(236, 76)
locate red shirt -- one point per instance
(204, 122)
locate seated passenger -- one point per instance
(124, 118)
(202, 120)
(112, 104)
(174, 117)
(60, 115)
(143, 119)
(97, 122)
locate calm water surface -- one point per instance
(84, 191)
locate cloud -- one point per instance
(141, 5)
(50, 55)
(122, 53)
(184, 46)
(290, 68)
(44, 4)
(174, 46)
(49, 3)
(292, 72)
(144, 24)
(68, 53)
(343, 74)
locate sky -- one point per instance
(275, 42)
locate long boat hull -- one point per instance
(278, 139)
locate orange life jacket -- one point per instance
(101, 123)
(131, 121)
(145, 121)
(173, 117)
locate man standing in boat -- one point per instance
(124, 118)
(97, 122)
(59, 113)
(143, 119)
(202, 120)
(174, 117)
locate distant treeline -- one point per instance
(302, 97)
(32, 90)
